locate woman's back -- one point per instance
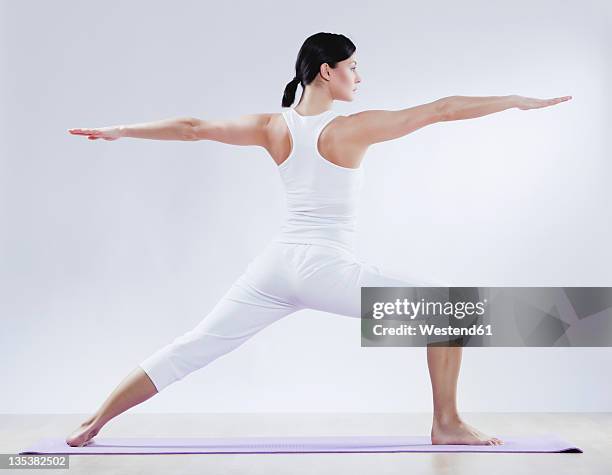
(322, 197)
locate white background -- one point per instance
(109, 250)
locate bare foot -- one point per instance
(84, 433)
(458, 432)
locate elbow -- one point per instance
(445, 108)
(188, 128)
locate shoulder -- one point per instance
(378, 125)
(275, 125)
(341, 126)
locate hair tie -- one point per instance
(296, 79)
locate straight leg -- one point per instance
(256, 300)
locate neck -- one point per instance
(314, 101)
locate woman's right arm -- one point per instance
(179, 128)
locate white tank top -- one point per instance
(322, 197)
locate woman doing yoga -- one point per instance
(311, 262)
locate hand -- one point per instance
(106, 133)
(525, 103)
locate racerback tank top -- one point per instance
(322, 197)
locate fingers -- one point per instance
(81, 131)
(84, 131)
(93, 134)
(539, 103)
(556, 100)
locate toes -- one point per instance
(72, 443)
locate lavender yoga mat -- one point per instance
(273, 445)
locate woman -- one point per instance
(311, 262)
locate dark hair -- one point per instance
(319, 48)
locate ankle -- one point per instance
(94, 420)
(446, 418)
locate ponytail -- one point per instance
(289, 95)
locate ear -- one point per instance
(324, 70)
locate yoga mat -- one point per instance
(273, 445)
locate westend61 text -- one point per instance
(429, 330)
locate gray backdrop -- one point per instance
(109, 250)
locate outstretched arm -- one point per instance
(251, 129)
(168, 129)
(373, 126)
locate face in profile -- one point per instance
(345, 79)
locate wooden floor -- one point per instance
(592, 432)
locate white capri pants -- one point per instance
(282, 279)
